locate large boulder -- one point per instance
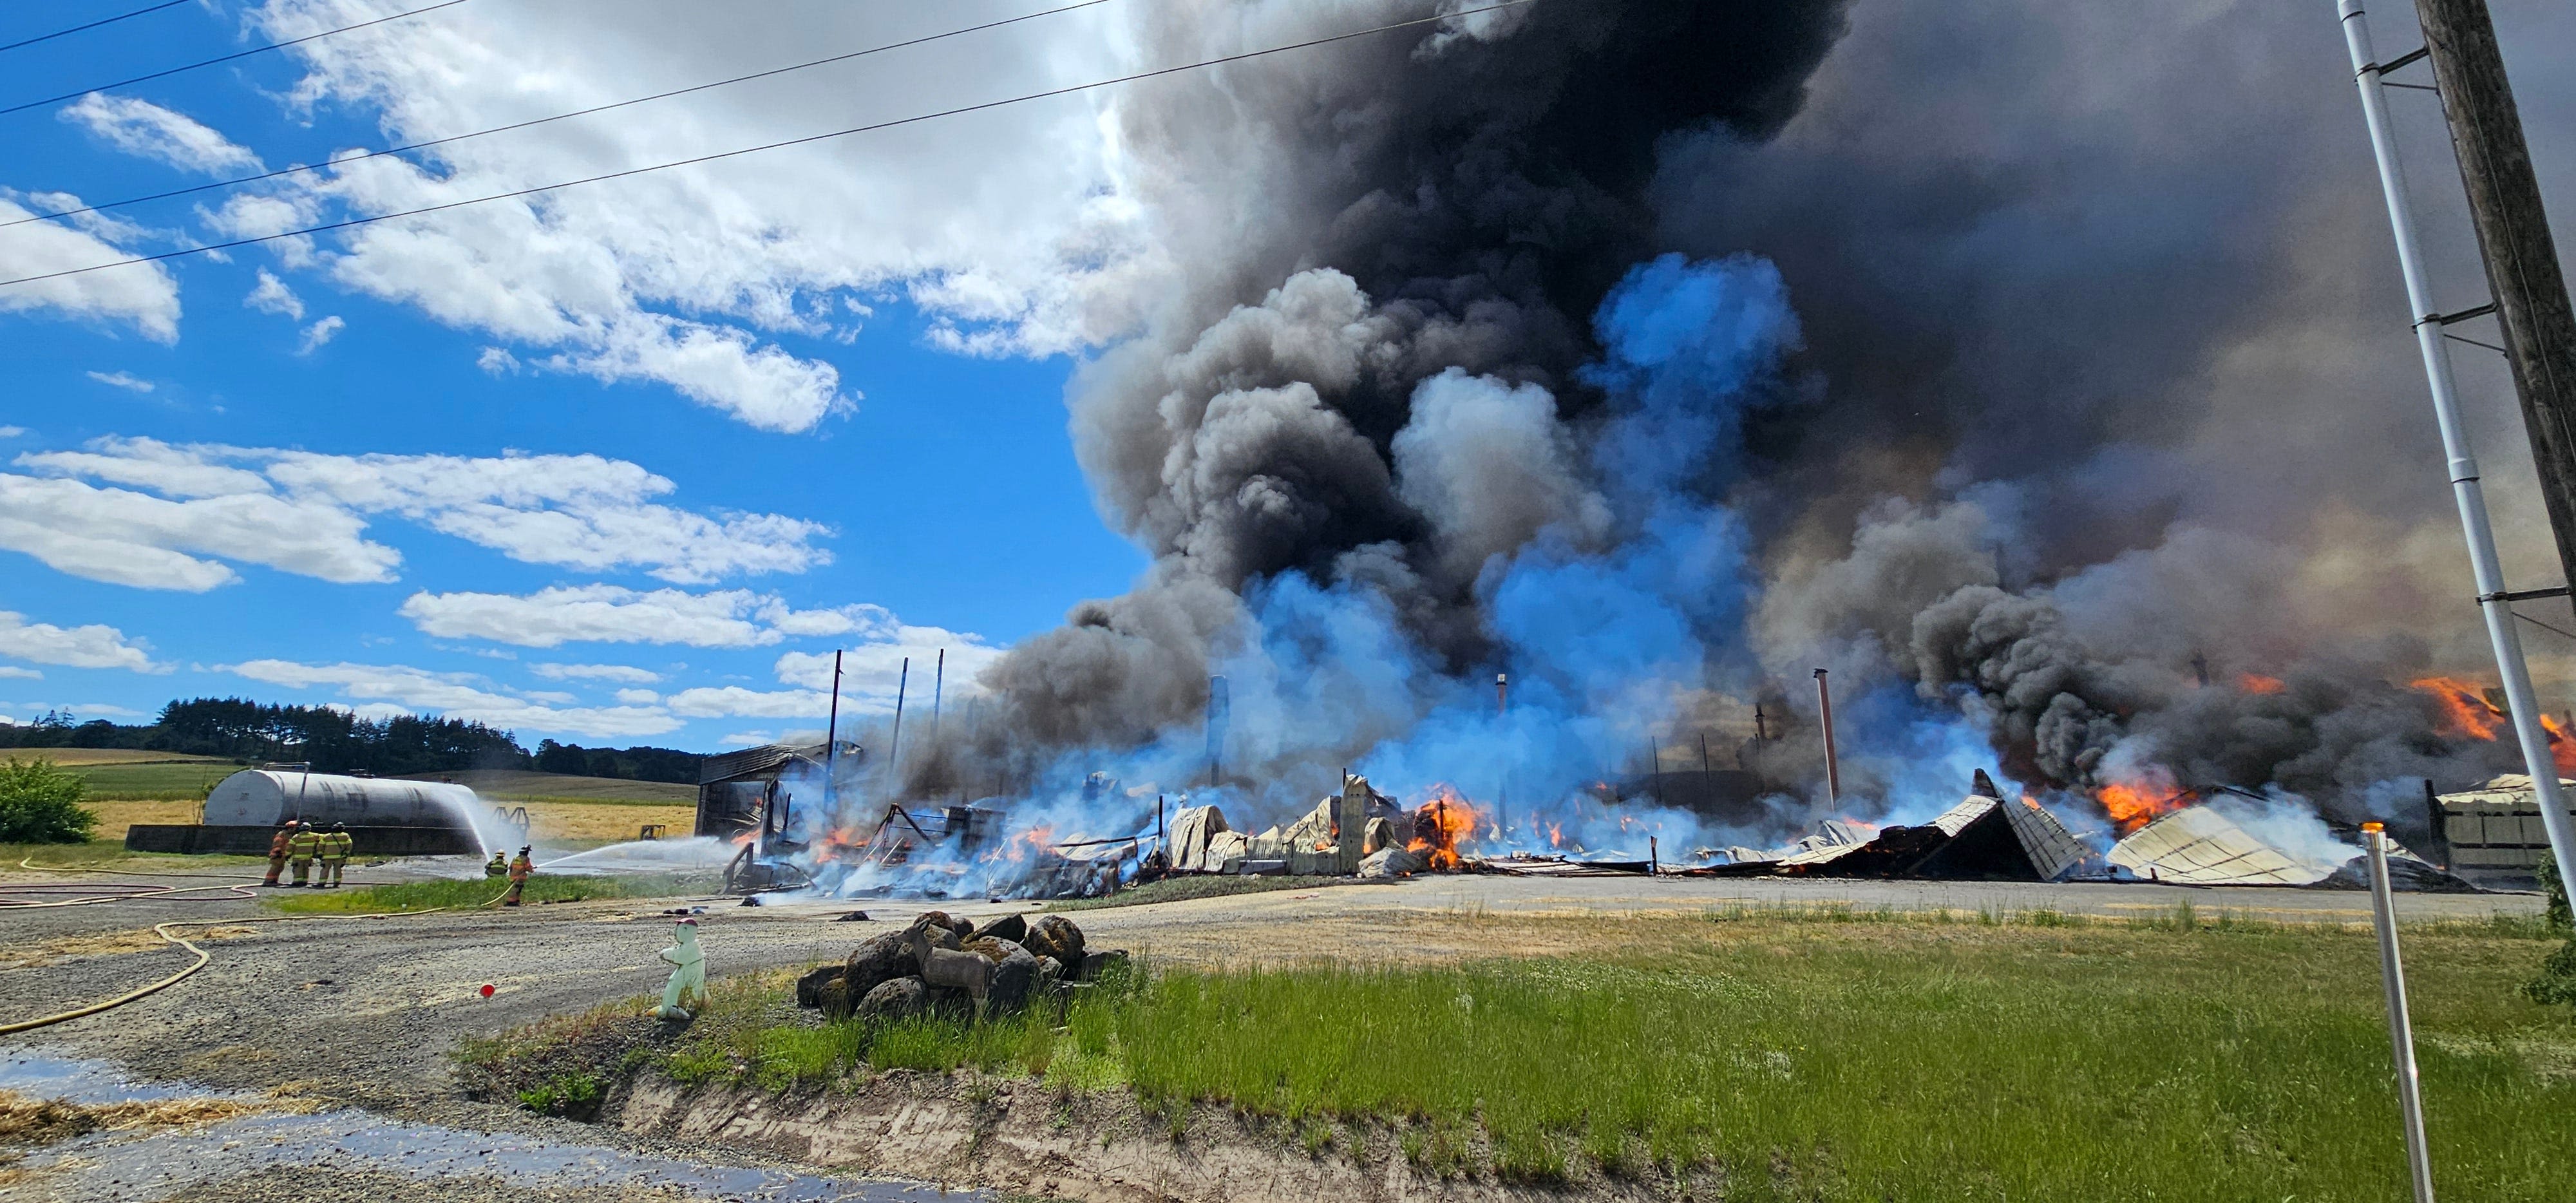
(900, 998)
(833, 998)
(1094, 964)
(808, 985)
(1014, 928)
(991, 949)
(1055, 936)
(877, 961)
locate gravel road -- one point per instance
(361, 1015)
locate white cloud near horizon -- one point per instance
(458, 695)
(596, 672)
(730, 618)
(170, 515)
(93, 646)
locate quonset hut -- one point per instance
(385, 816)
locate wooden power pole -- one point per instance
(2523, 273)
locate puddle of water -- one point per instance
(147, 1165)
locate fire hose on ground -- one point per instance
(163, 930)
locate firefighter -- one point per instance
(336, 846)
(301, 848)
(500, 866)
(519, 871)
(277, 851)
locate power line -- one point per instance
(94, 24)
(498, 129)
(310, 37)
(1068, 90)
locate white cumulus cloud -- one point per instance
(319, 333)
(145, 129)
(596, 672)
(458, 695)
(124, 380)
(734, 701)
(144, 295)
(615, 614)
(186, 510)
(93, 646)
(273, 296)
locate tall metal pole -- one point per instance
(1825, 713)
(2401, 1029)
(2521, 706)
(2513, 237)
(894, 742)
(832, 741)
(938, 690)
(1656, 755)
(1503, 792)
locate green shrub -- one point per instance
(2556, 981)
(40, 804)
(2559, 916)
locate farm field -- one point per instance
(511, 785)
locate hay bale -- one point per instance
(808, 985)
(901, 998)
(877, 961)
(1055, 936)
(1014, 978)
(1014, 928)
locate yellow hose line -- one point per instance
(156, 892)
(27, 863)
(162, 930)
(159, 929)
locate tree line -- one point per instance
(336, 741)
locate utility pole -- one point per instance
(832, 739)
(2523, 277)
(1825, 714)
(2495, 602)
(894, 742)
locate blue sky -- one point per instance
(161, 536)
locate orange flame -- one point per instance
(1439, 823)
(2466, 713)
(2135, 801)
(2258, 683)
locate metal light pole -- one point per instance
(2494, 601)
(1825, 715)
(2401, 1029)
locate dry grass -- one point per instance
(38, 954)
(570, 822)
(29, 1121)
(115, 817)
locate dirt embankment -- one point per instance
(1021, 1137)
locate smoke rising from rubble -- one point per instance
(1658, 354)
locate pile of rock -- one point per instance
(946, 965)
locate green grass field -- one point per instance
(463, 894)
(1859, 1058)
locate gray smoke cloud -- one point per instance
(2097, 373)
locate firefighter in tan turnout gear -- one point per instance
(336, 846)
(301, 848)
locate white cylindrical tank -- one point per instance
(267, 797)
